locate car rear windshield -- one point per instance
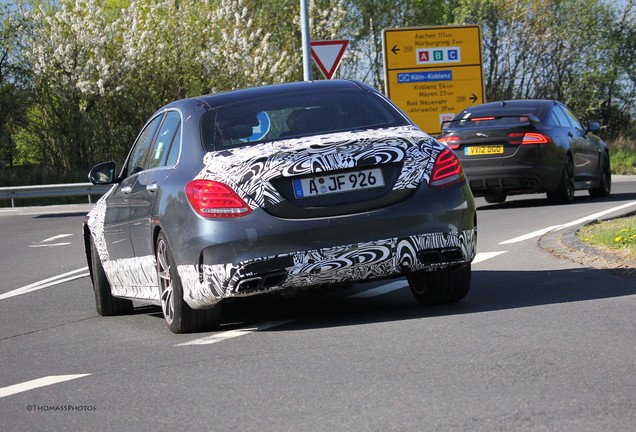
(486, 119)
(292, 116)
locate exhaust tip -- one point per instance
(261, 282)
(249, 284)
(440, 256)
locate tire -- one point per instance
(440, 286)
(605, 179)
(179, 316)
(564, 194)
(105, 303)
(495, 198)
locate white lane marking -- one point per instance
(591, 217)
(483, 256)
(391, 286)
(39, 245)
(55, 210)
(233, 333)
(57, 237)
(394, 286)
(37, 383)
(533, 234)
(47, 242)
(55, 280)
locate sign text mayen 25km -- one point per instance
(433, 73)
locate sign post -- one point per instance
(304, 24)
(433, 73)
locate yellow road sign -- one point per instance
(433, 73)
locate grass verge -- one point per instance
(623, 155)
(623, 161)
(615, 235)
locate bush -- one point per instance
(623, 155)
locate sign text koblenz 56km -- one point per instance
(433, 73)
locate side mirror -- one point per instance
(103, 174)
(593, 127)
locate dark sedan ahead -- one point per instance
(278, 189)
(527, 146)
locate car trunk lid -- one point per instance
(492, 135)
(327, 175)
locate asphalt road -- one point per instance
(540, 343)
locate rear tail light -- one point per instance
(528, 138)
(212, 199)
(450, 141)
(447, 170)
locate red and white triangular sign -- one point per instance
(328, 54)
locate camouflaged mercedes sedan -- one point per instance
(277, 189)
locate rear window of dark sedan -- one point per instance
(493, 118)
(292, 116)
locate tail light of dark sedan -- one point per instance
(528, 138)
(450, 141)
(447, 170)
(212, 199)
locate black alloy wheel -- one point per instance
(441, 286)
(495, 198)
(564, 194)
(105, 303)
(179, 316)
(605, 179)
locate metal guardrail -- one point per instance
(52, 191)
(89, 189)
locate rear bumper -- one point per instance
(431, 229)
(330, 266)
(512, 179)
(531, 169)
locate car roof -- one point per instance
(512, 104)
(514, 107)
(218, 99)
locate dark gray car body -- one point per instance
(528, 167)
(285, 242)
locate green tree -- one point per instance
(78, 78)
(570, 50)
(366, 21)
(579, 51)
(13, 90)
(98, 68)
(618, 107)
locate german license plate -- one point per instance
(338, 183)
(483, 150)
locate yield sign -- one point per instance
(328, 54)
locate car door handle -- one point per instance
(126, 190)
(152, 187)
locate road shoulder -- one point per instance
(565, 244)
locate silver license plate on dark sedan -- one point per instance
(338, 183)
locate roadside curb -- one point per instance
(564, 244)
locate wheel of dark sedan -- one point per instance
(440, 286)
(495, 198)
(179, 316)
(105, 303)
(564, 194)
(605, 179)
